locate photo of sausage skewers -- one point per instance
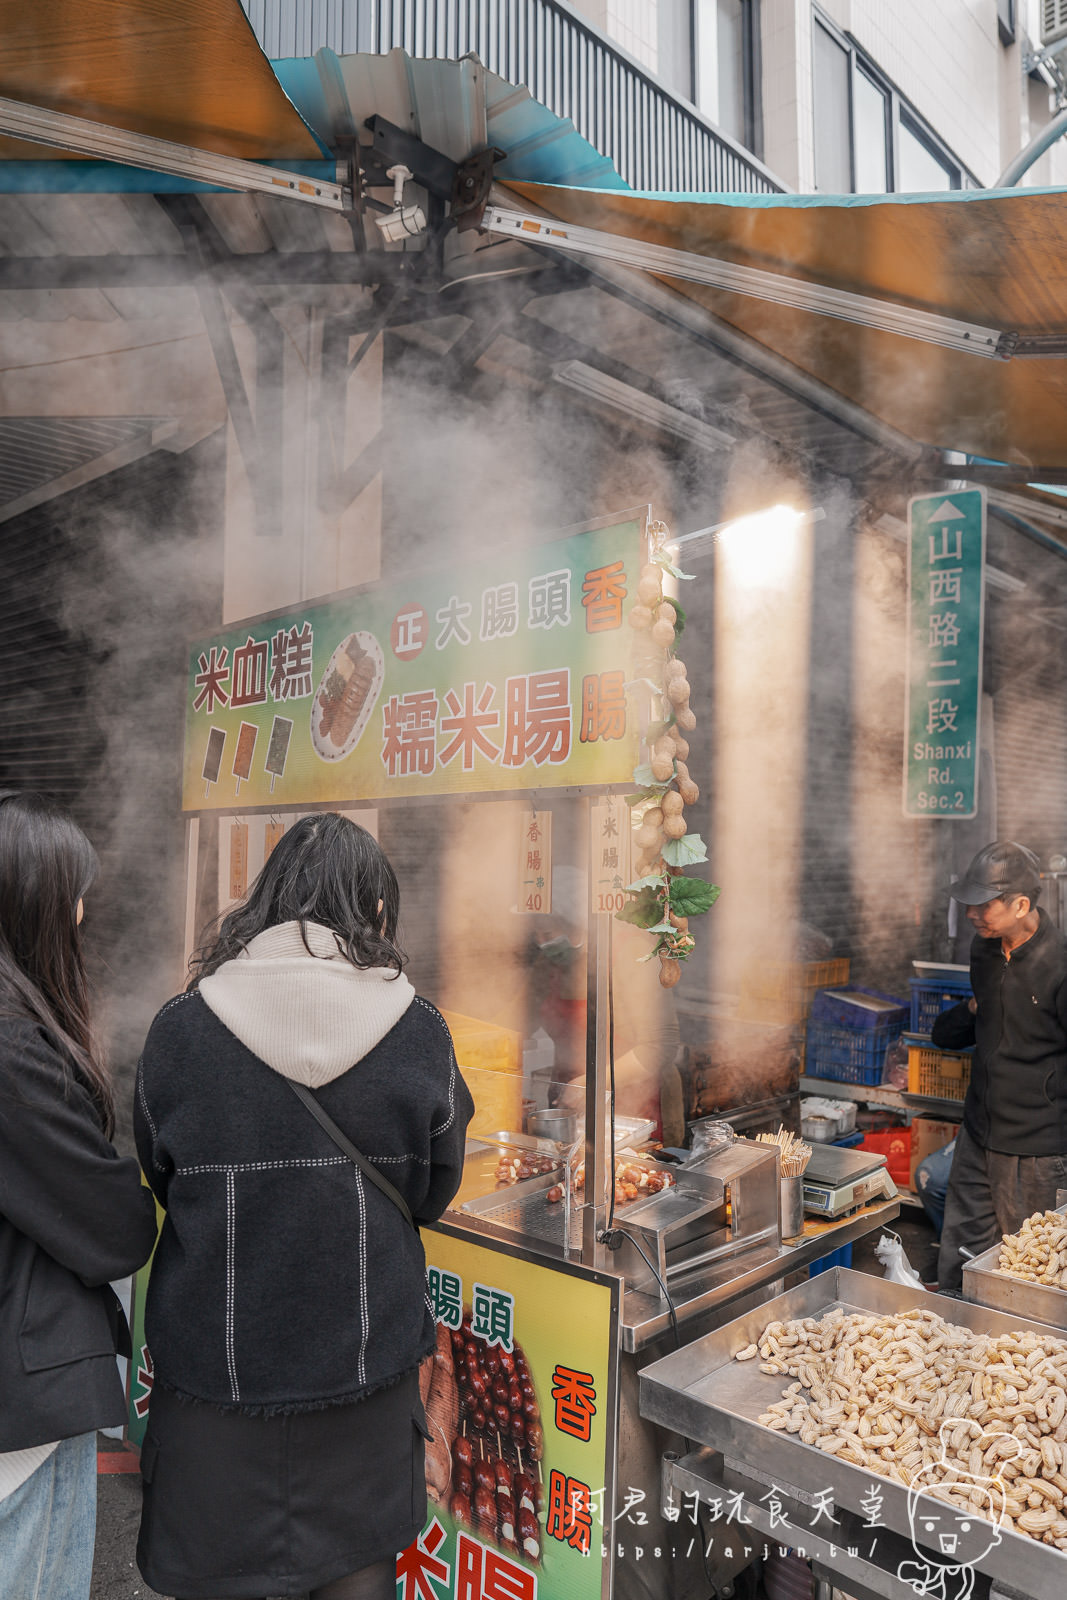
(481, 1400)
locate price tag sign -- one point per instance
(610, 868)
(535, 861)
(946, 613)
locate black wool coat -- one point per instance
(73, 1215)
(284, 1280)
(1017, 1097)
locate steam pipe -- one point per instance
(1034, 151)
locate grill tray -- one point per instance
(702, 1393)
(522, 1211)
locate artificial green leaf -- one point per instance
(644, 683)
(652, 954)
(663, 927)
(686, 851)
(642, 795)
(690, 897)
(655, 730)
(643, 776)
(650, 882)
(644, 911)
(668, 566)
(679, 626)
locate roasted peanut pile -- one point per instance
(896, 1394)
(1038, 1252)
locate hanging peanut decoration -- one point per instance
(663, 898)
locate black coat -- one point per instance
(284, 1280)
(1017, 1098)
(73, 1215)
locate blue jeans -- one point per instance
(48, 1527)
(931, 1183)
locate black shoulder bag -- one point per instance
(344, 1144)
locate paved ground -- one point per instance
(115, 1574)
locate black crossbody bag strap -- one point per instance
(344, 1143)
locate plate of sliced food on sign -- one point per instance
(346, 696)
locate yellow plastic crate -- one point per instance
(783, 991)
(941, 1073)
(490, 1059)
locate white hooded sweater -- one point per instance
(310, 1017)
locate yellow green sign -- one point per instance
(520, 1408)
(508, 674)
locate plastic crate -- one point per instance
(835, 1006)
(928, 1000)
(944, 1074)
(849, 1055)
(837, 1258)
(895, 1145)
(849, 1141)
(783, 991)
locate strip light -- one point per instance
(772, 286)
(86, 138)
(644, 407)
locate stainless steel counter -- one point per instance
(645, 1317)
(702, 1393)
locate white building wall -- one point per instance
(947, 59)
(944, 56)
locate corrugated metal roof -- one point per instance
(37, 451)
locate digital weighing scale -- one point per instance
(838, 1181)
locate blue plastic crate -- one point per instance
(834, 1006)
(836, 1258)
(849, 1141)
(850, 1055)
(929, 999)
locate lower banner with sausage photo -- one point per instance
(521, 1400)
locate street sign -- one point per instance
(946, 611)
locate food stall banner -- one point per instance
(521, 1411)
(946, 611)
(505, 675)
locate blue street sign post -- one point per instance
(946, 614)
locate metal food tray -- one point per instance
(985, 1286)
(521, 1210)
(483, 1152)
(702, 1393)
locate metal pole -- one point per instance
(1034, 151)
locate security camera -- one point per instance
(403, 222)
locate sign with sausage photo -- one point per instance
(520, 1404)
(508, 675)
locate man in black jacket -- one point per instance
(1011, 1153)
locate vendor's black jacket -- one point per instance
(1017, 1099)
(73, 1215)
(283, 1281)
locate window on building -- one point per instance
(867, 139)
(726, 75)
(833, 163)
(921, 168)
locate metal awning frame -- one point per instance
(465, 186)
(83, 137)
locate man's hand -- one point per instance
(972, 1006)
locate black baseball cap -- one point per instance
(1000, 869)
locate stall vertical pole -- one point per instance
(192, 852)
(594, 1214)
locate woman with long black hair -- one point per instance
(287, 1310)
(73, 1214)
